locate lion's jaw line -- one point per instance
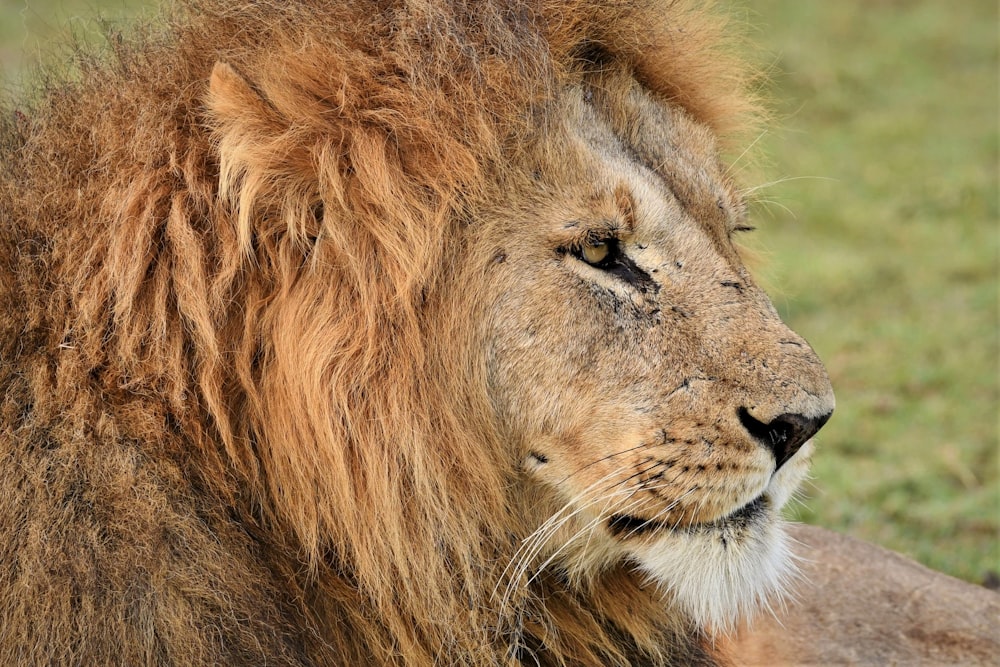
(720, 575)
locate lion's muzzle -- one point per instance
(785, 434)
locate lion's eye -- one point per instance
(607, 255)
(600, 254)
(595, 253)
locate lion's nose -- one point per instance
(783, 435)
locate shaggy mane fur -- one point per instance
(235, 424)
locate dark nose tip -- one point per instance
(783, 435)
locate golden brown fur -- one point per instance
(256, 273)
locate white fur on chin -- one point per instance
(719, 579)
(720, 576)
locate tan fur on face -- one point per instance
(287, 301)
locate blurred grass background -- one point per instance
(880, 243)
(884, 254)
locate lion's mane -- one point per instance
(236, 426)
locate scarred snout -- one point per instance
(781, 391)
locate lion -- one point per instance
(391, 333)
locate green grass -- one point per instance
(885, 256)
(881, 248)
(31, 31)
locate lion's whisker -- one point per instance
(662, 513)
(602, 460)
(527, 557)
(731, 168)
(536, 540)
(772, 202)
(587, 527)
(762, 186)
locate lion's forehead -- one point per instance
(643, 163)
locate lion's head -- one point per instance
(442, 309)
(661, 410)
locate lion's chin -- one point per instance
(729, 570)
(723, 572)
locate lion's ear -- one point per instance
(234, 104)
(262, 163)
(228, 91)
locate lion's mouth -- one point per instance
(623, 526)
